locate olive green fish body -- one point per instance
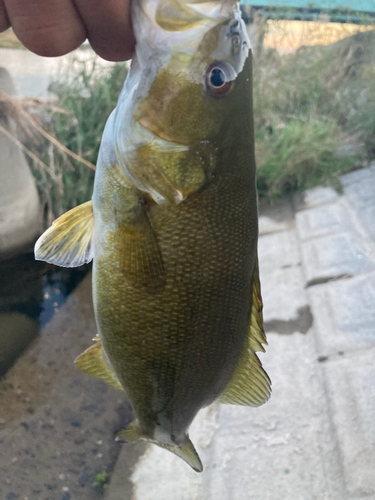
(174, 348)
(172, 227)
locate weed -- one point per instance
(297, 156)
(307, 104)
(101, 479)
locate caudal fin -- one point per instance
(186, 451)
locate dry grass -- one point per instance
(25, 122)
(62, 140)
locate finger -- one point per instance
(4, 20)
(46, 27)
(108, 24)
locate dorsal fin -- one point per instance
(92, 361)
(68, 242)
(177, 15)
(250, 384)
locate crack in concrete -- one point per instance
(327, 279)
(301, 324)
(324, 358)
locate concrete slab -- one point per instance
(279, 250)
(282, 282)
(284, 449)
(283, 297)
(274, 218)
(344, 314)
(367, 217)
(362, 175)
(334, 255)
(351, 385)
(121, 487)
(359, 188)
(323, 220)
(361, 194)
(314, 197)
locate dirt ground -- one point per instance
(57, 425)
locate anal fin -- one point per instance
(68, 242)
(250, 384)
(186, 451)
(92, 361)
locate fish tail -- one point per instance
(186, 451)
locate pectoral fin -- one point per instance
(141, 260)
(92, 361)
(250, 384)
(186, 451)
(68, 242)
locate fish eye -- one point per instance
(218, 79)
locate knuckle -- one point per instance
(51, 40)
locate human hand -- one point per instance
(56, 27)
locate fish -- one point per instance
(172, 227)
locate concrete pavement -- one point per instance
(315, 438)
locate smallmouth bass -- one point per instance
(172, 226)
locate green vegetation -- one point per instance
(306, 105)
(298, 156)
(100, 479)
